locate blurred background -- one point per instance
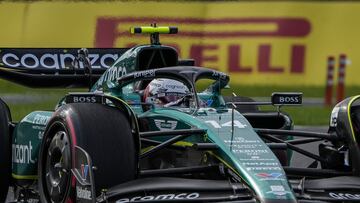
(266, 46)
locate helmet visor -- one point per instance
(170, 97)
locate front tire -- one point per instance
(103, 131)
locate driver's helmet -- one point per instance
(165, 92)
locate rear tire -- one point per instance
(5, 150)
(103, 132)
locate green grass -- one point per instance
(303, 115)
(49, 98)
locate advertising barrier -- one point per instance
(258, 43)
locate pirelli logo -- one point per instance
(113, 31)
(217, 28)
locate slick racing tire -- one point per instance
(103, 132)
(5, 150)
(242, 108)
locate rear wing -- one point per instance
(56, 67)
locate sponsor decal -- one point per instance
(83, 193)
(221, 75)
(21, 154)
(334, 115)
(84, 99)
(174, 86)
(278, 190)
(257, 159)
(144, 74)
(260, 163)
(54, 58)
(165, 125)
(216, 124)
(84, 171)
(41, 119)
(270, 176)
(344, 196)
(242, 140)
(263, 168)
(286, 98)
(251, 152)
(162, 197)
(114, 73)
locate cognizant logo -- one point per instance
(54, 60)
(21, 154)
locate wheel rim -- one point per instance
(58, 167)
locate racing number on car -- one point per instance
(216, 124)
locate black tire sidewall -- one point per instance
(104, 133)
(55, 124)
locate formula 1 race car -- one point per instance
(155, 128)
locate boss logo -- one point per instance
(286, 98)
(83, 99)
(289, 99)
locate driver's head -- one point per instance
(164, 91)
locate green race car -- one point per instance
(155, 128)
